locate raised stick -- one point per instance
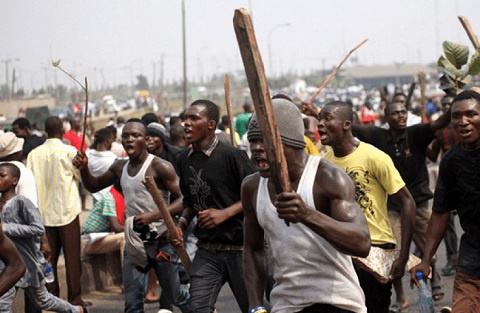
(423, 97)
(226, 86)
(257, 82)
(85, 89)
(334, 72)
(85, 115)
(152, 188)
(470, 32)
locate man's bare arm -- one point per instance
(336, 217)
(253, 245)
(14, 266)
(92, 183)
(442, 121)
(437, 226)
(167, 179)
(407, 214)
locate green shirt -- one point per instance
(241, 123)
(97, 221)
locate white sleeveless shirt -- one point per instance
(137, 197)
(307, 269)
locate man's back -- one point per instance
(56, 179)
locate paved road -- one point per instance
(111, 300)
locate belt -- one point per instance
(213, 246)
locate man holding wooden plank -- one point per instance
(312, 267)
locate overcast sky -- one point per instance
(114, 40)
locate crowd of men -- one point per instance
(355, 189)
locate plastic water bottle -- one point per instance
(48, 273)
(425, 301)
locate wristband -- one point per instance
(183, 220)
(258, 309)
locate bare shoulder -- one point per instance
(249, 190)
(250, 183)
(117, 166)
(332, 179)
(161, 168)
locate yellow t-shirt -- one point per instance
(310, 147)
(375, 177)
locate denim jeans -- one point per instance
(451, 240)
(209, 272)
(40, 299)
(134, 280)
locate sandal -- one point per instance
(437, 287)
(448, 270)
(437, 292)
(397, 307)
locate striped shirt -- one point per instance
(97, 220)
(57, 182)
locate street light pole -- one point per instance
(270, 59)
(185, 82)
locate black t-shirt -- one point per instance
(30, 143)
(215, 182)
(458, 188)
(408, 155)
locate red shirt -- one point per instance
(75, 139)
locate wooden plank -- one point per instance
(423, 97)
(471, 34)
(226, 86)
(152, 188)
(258, 84)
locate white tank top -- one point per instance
(137, 197)
(307, 268)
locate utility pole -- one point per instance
(7, 61)
(185, 82)
(12, 93)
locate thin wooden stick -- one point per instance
(226, 86)
(335, 72)
(471, 34)
(152, 188)
(85, 89)
(85, 114)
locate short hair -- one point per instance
(22, 123)
(389, 106)
(177, 132)
(102, 135)
(247, 107)
(53, 125)
(148, 118)
(174, 120)
(120, 120)
(137, 120)
(346, 111)
(467, 95)
(12, 169)
(398, 94)
(212, 110)
(113, 129)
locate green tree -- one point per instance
(456, 68)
